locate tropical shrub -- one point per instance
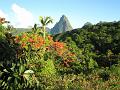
(13, 70)
(86, 60)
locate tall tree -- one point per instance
(45, 21)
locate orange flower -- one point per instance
(71, 54)
(37, 46)
(58, 45)
(40, 39)
(23, 44)
(24, 35)
(50, 38)
(17, 39)
(60, 53)
(31, 40)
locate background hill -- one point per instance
(100, 40)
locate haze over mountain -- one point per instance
(62, 26)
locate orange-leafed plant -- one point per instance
(62, 51)
(30, 40)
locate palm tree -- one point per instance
(34, 29)
(45, 21)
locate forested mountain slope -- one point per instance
(101, 39)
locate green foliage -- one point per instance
(15, 76)
(13, 66)
(48, 68)
(85, 59)
(116, 69)
(1, 28)
(97, 40)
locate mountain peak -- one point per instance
(63, 17)
(62, 26)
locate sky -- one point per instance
(25, 13)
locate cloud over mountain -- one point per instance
(3, 14)
(24, 18)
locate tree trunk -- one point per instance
(44, 30)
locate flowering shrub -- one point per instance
(37, 42)
(30, 40)
(34, 61)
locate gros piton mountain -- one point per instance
(62, 26)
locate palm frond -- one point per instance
(50, 21)
(41, 20)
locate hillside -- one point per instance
(20, 30)
(101, 39)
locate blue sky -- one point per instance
(24, 13)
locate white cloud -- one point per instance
(23, 17)
(2, 14)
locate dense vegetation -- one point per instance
(102, 40)
(81, 59)
(96, 46)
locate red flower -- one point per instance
(50, 38)
(30, 40)
(24, 35)
(17, 39)
(23, 44)
(58, 45)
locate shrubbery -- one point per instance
(34, 61)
